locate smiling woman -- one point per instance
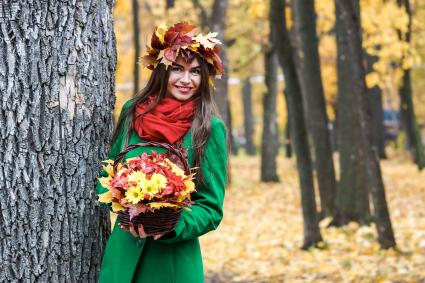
(176, 107)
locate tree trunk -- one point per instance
(410, 124)
(313, 97)
(288, 145)
(408, 117)
(374, 96)
(281, 41)
(204, 19)
(218, 24)
(57, 90)
(247, 110)
(136, 33)
(347, 21)
(270, 140)
(352, 200)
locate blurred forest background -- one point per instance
(325, 106)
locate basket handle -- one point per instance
(167, 146)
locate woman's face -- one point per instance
(184, 80)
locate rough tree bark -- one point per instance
(270, 139)
(347, 19)
(281, 41)
(352, 199)
(136, 33)
(374, 97)
(314, 101)
(57, 99)
(408, 117)
(247, 111)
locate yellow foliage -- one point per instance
(325, 11)
(383, 22)
(372, 79)
(258, 10)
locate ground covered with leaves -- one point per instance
(260, 236)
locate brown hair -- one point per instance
(205, 107)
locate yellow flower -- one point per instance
(134, 195)
(105, 197)
(105, 182)
(137, 176)
(116, 207)
(159, 181)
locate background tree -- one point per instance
(248, 117)
(270, 138)
(352, 200)
(348, 22)
(281, 41)
(56, 117)
(374, 97)
(408, 118)
(313, 97)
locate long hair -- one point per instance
(205, 107)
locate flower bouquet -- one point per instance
(148, 189)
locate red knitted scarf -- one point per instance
(167, 122)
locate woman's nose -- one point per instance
(186, 77)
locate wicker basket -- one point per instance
(164, 219)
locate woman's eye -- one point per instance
(196, 71)
(175, 68)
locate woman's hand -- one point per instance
(140, 233)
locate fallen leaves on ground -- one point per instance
(261, 233)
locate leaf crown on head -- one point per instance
(167, 43)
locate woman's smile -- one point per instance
(184, 89)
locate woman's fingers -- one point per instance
(133, 231)
(156, 237)
(140, 231)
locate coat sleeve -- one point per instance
(206, 214)
(113, 152)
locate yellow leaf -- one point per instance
(117, 207)
(106, 182)
(105, 197)
(190, 186)
(160, 32)
(161, 204)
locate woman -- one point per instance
(176, 107)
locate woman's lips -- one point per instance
(184, 89)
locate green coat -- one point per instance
(176, 259)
